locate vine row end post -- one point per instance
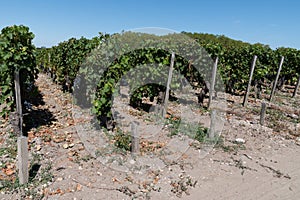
(22, 141)
(166, 99)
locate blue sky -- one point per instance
(276, 23)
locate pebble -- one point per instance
(240, 140)
(38, 147)
(132, 161)
(293, 116)
(59, 179)
(71, 145)
(99, 173)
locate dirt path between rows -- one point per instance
(265, 166)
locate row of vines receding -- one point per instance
(63, 62)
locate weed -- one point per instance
(201, 134)
(3, 151)
(274, 117)
(86, 158)
(220, 143)
(9, 185)
(173, 124)
(46, 175)
(122, 140)
(193, 130)
(36, 158)
(233, 148)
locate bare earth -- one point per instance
(265, 166)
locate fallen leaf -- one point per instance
(73, 153)
(46, 191)
(9, 172)
(156, 179)
(58, 139)
(78, 187)
(68, 190)
(59, 191)
(115, 180)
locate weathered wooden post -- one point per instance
(212, 82)
(297, 86)
(249, 83)
(22, 141)
(166, 99)
(262, 113)
(135, 139)
(212, 129)
(48, 68)
(276, 79)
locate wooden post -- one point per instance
(276, 79)
(212, 82)
(18, 101)
(23, 159)
(297, 86)
(22, 141)
(262, 113)
(168, 86)
(250, 79)
(49, 57)
(48, 66)
(135, 140)
(212, 129)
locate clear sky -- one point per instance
(276, 23)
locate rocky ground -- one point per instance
(68, 159)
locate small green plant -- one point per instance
(3, 151)
(46, 175)
(275, 117)
(193, 130)
(173, 124)
(86, 158)
(11, 148)
(220, 143)
(201, 134)
(9, 185)
(233, 148)
(36, 158)
(122, 140)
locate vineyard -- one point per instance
(91, 76)
(234, 59)
(63, 62)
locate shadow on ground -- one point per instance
(35, 117)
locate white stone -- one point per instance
(240, 140)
